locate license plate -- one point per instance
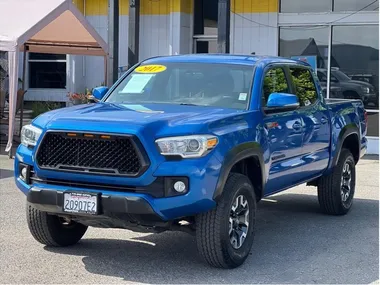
(80, 203)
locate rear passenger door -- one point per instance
(284, 132)
(315, 121)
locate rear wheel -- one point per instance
(53, 230)
(336, 190)
(225, 234)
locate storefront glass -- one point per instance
(373, 124)
(355, 5)
(355, 63)
(307, 43)
(299, 6)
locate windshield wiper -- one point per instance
(188, 104)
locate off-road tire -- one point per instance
(329, 187)
(212, 228)
(50, 230)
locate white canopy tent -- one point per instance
(53, 26)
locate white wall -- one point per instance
(248, 36)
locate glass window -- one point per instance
(274, 82)
(322, 76)
(355, 63)
(299, 6)
(47, 70)
(4, 81)
(304, 84)
(217, 85)
(356, 5)
(373, 124)
(305, 41)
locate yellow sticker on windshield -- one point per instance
(153, 68)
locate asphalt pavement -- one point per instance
(294, 243)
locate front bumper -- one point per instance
(203, 175)
(371, 98)
(132, 213)
(52, 201)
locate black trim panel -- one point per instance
(51, 201)
(155, 189)
(347, 130)
(238, 153)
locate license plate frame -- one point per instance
(80, 208)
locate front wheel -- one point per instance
(336, 190)
(225, 234)
(53, 230)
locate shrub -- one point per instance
(39, 108)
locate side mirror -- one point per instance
(282, 102)
(99, 92)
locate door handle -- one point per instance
(323, 120)
(297, 126)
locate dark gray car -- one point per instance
(350, 89)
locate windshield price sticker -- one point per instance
(150, 68)
(137, 83)
(242, 96)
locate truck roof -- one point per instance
(222, 58)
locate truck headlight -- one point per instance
(30, 135)
(365, 89)
(187, 146)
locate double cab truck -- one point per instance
(189, 143)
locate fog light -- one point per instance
(179, 186)
(24, 172)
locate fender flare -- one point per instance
(236, 154)
(350, 129)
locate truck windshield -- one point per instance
(200, 84)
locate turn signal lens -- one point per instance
(212, 142)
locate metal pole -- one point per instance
(224, 7)
(23, 86)
(105, 71)
(113, 41)
(329, 63)
(133, 32)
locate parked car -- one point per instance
(351, 89)
(189, 143)
(335, 92)
(369, 78)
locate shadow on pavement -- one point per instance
(6, 173)
(371, 157)
(294, 243)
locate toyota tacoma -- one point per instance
(189, 143)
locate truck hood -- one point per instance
(356, 83)
(157, 119)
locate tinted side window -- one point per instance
(304, 84)
(274, 82)
(322, 77)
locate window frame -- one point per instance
(27, 77)
(268, 67)
(318, 100)
(280, 5)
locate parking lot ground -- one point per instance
(294, 243)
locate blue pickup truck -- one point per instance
(189, 143)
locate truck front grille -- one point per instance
(92, 153)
